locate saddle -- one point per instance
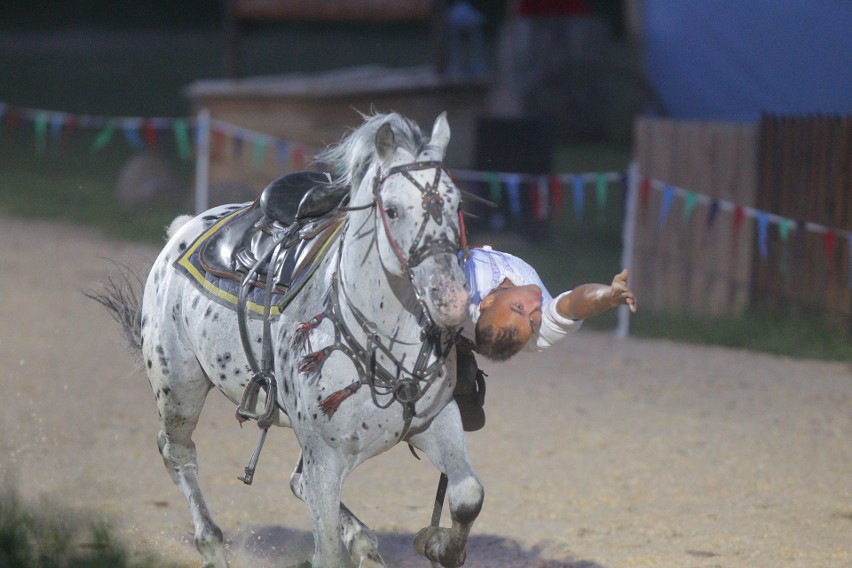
(297, 208)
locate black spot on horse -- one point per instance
(150, 363)
(208, 311)
(182, 246)
(364, 426)
(166, 391)
(195, 301)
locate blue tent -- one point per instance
(734, 59)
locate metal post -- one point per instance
(627, 237)
(202, 162)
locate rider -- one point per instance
(511, 310)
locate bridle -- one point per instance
(433, 207)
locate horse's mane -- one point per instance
(356, 152)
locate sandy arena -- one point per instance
(598, 454)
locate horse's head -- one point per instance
(417, 217)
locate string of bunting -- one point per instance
(765, 221)
(54, 129)
(547, 191)
(260, 145)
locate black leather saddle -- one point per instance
(296, 208)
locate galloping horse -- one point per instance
(360, 360)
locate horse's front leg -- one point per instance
(319, 486)
(358, 538)
(444, 443)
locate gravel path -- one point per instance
(602, 453)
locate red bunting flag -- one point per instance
(150, 134)
(299, 158)
(219, 142)
(556, 197)
(13, 117)
(830, 243)
(739, 217)
(645, 191)
(68, 129)
(534, 204)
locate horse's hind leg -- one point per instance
(181, 387)
(444, 443)
(360, 541)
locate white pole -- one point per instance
(627, 236)
(202, 162)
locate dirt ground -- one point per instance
(601, 453)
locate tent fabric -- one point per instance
(733, 60)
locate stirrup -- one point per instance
(247, 409)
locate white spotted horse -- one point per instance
(359, 360)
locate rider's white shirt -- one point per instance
(486, 268)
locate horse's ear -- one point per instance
(385, 142)
(440, 132)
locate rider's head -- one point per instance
(509, 315)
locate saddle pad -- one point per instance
(224, 289)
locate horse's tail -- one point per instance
(176, 225)
(121, 296)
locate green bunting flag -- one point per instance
(495, 190)
(104, 136)
(41, 133)
(258, 153)
(690, 200)
(601, 188)
(182, 139)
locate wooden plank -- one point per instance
(691, 267)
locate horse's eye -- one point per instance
(392, 212)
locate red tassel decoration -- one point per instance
(313, 362)
(332, 402)
(303, 332)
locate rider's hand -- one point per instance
(619, 293)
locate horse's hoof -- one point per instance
(432, 542)
(422, 539)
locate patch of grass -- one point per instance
(47, 538)
(795, 336)
(77, 186)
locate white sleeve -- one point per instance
(553, 326)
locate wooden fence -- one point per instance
(686, 263)
(697, 261)
(805, 174)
